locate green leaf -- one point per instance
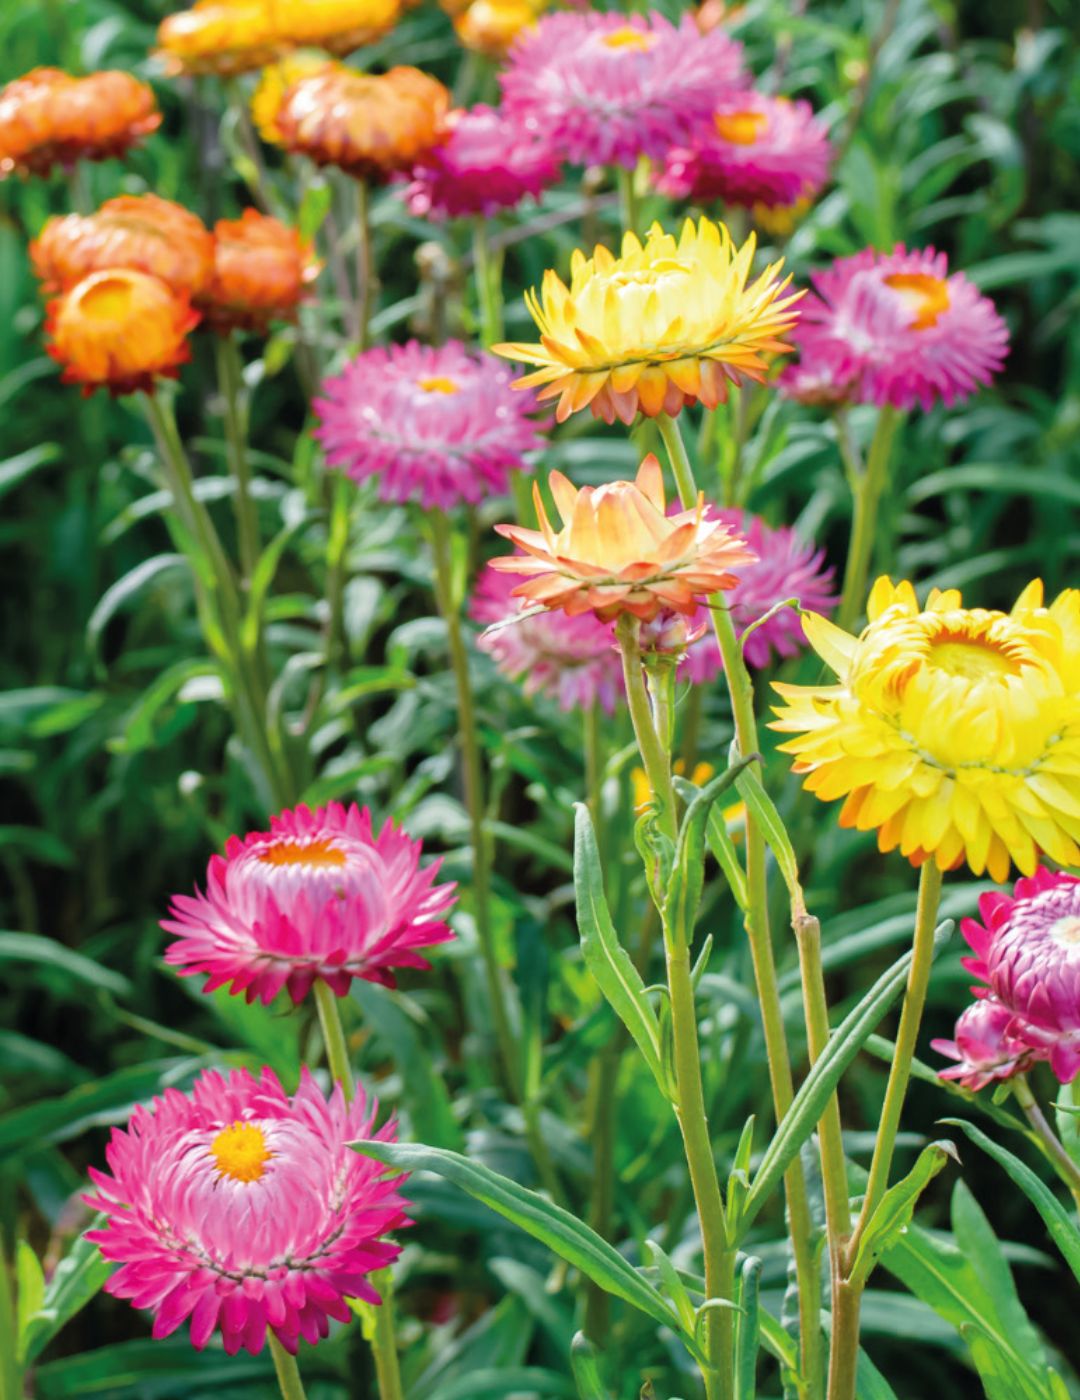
(79, 1276)
(688, 872)
(126, 590)
(262, 576)
(747, 1329)
(673, 1285)
(897, 1209)
(563, 1234)
(29, 1292)
(586, 1368)
(16, 469)
(773, 829)
(607, 960)
(11, 1386)
(138, 732)
(1067, 1113)
(35, 948)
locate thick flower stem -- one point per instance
(864, 524)
(628, 207)
(741, 690)
(288, 1373)
(337, 1050)
(231, 387)
(690, 1108)
(487, 267)
(364, 265)
(1062, 1163)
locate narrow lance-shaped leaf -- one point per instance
(759, 802)
(897, 1208)
(688, 873)
(747, 1329)
(586, 1368)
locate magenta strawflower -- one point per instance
(241, 1208)
(786, 567)
(487, 163)
(754, 149)
(900, 328)
(1027, 955)
(605, 89)
(985, 1046)
(572, 659)
(317, 897)
(438, 425)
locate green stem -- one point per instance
(288, 1373)
(337, 1050)
(383, 1341)
(628, 206)
(488, 265)
(604, 1075)
(741, 690)
(865, 522)
(234, 396)
(337, 543)
(1062, 1163)
(364, 264)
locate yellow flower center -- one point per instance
(630, 38)
(310, 853)
(741, 128)
(108, 300)
(439, 384)
(1066, 930)
(924, 296)
(974, 658)
(240, 1152)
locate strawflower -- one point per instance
(239, 1208)
(901, 329)
(142, 232)
(665, 324)
(317, 897)
(574, 660)
(985, 1046)
(606, 89)
(262, 270)
(338, 26)
(225, 37)
(952, 731)
(491, 26)
(618, 552)
(49, 118)
(120, 330)
(440, 426)
(485, 164)
(274, 82)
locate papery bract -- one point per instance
(262, 270)
(48, 117)
(485, 164)
(985, 1046)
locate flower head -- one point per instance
(262, 269)
(337, 26)
(142, 232)
(1027, 956)
(985, 1046)
(317, 897)
(274, 82)
(219, 36)
(240, 1208)
(369, 126)
(618, 552)
(485, 164)
(438, 425)
(606, 89)
(572, 659)
(953, 731)
(753, 150)
(491, 26)
(901, 329)
(49, 118)
(817, 383)
(663, 325)
(119, 329)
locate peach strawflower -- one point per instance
(141, 232)
(665, 324)
(262, 269)
(219, 36)
(274, 82)
(119, 329)
(618, 552)
(491, 26)
(371, 127)
(49, 118)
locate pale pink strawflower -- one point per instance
(901, 328)
(486, 164)
(319, 897)
(786, 567)
(240, 1208)
(606, 89)
(754, 149)
(437, 425)
(574, 660)
(985, 1046)
(1027, 956)
(817, 384)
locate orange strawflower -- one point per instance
(338, 26)
(119, 329)
(49, 118)
(143, 232)
(274, 82)
(261, 269)
(619, 552)
(371, 127)
(219, 36)
(491, 26)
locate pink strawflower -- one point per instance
(785, 568)
(605, 89)
(900, 328)
(753, 149)
(1027, 955)
(572, 659)
(985, 1046)
(816, 383)
(439, 425)
(485, 165)
(242, 1208)
(318, 896)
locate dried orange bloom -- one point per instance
(618, 552)
(261, 269)
(143, 232)
(370, 126)
(275, 81)
(49, 118)
(119, 329)
(338, 26)
(219, 36)
(491, 26)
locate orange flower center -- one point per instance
(630, 38)
(439, 384)
(240, 1152)
(974, 658)
(741, 128)
(924, 296)
(312, 853)
(110, 299)
(1066, 930)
